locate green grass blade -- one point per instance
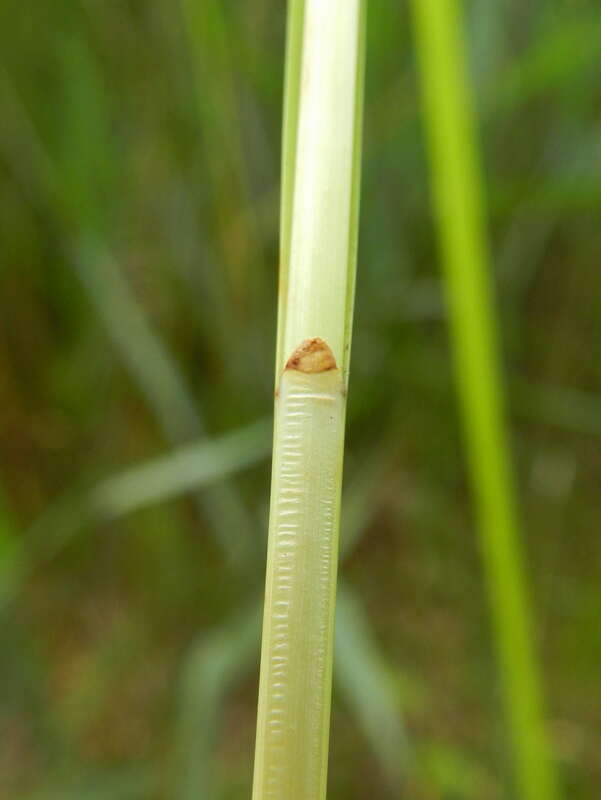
(125, 783)
(159, 379)
(458, 195)
(368, 687)
(9, 550)
(137, 344)
(559, 406)
(185, 469)
(213, 665)
(182, 470)
(221, 129)
(361, 496)
(218, 660)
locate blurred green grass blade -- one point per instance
(102, 669)
(85, 155)
(360, 496)
(23, 150)
(488, 32)
(138, 345)
(216, 105)
(186, 469)
(183, 470)
(368, 687)
(452, 772)
(212, 667)
(564, 53)
(125, 783)
(161, 382)
(220, 659)
(568, 409)
(9, 550)
(221, 129)
(458, 196)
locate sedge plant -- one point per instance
(322, 123)
(459, 203)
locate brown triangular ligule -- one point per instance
(311, 356)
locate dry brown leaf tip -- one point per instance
(311, 356)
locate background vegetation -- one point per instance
(139, 174)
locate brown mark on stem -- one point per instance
(311, 356)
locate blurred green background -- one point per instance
(139, 174)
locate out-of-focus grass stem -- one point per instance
(457, 185)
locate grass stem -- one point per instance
(460, 209)
(316, 289)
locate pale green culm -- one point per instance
(319, 208)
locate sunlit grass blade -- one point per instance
(458, 196)
(317, 290)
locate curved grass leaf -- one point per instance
(182, 470)
(215, 662)
(185, 469)
(135, 341)
(368, 687)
